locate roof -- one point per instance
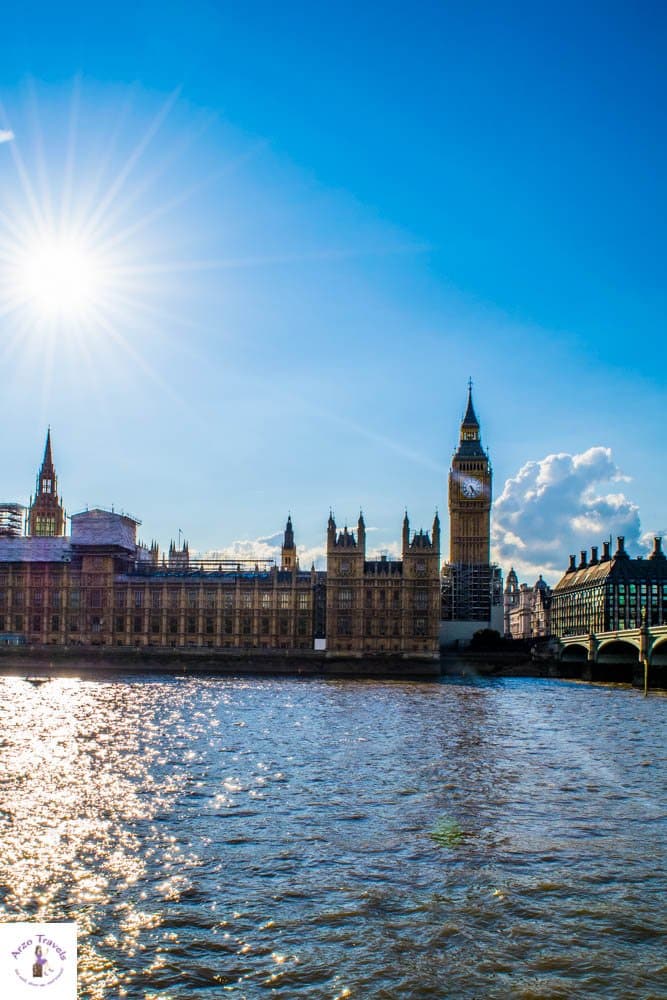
(35, 549)
(618, 570)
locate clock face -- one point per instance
(471, 488)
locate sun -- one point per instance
(60, 277)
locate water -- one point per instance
(329, 839)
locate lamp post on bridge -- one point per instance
(643, 647)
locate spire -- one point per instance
(361, 531)
(470, 419)
(47, 461)
(288, 541)
(46, 517)
(470, 445)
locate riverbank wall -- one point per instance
(54, 661)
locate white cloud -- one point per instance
(265, 548)
(561, 504)
(6, 135)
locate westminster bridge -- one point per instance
(621, 651)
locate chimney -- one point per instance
(657, 549)
(594, 555)
(583, 563)
(620, 551)
(605, 552)
(572, 568)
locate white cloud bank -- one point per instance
(6, 135)
(266, 548)
(561, 504)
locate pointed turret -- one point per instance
(361, 531)
(470, 445)
(470, 419)
(288, 558)
(47, 517)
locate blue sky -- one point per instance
(320, 223)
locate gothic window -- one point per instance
(155, 625)
(191, 624)
(304, 602)
(284, 600)
(246, 599)
(172, 625)
(283, 626)
(138, 598)
(264, 625)
(119, 623)
(344, 566)
(191, 597)
(36, 623)
(155, 599)
(345, 599)
(344, 625)
(137, 623)
(208, 626)
(266, 601)
(18, 623)
(421, 600)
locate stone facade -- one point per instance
(101, 587)
(383, 605)
(527, 609)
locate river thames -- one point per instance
(329, 839)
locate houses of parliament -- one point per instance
(100, 586)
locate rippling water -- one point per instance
(305, 838)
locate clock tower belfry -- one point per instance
(470, 482)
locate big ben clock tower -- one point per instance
(470, 495)
(469, 582)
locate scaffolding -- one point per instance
(469, 591)
(11, 520)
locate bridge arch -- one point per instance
(574, 652)
(617, 651)
(658, 657)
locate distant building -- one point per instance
(472, 596)
(610, 592)
(527, 609)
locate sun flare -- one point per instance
(60, 277)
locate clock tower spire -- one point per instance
(470, 481)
